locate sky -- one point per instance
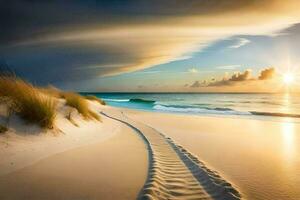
(153, 46)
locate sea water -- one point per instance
(253, 105)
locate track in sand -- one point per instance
(174, 173)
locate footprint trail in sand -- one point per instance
(174, 173)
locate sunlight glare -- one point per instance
(288, 78)
(288, 136)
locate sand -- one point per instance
(112, 169)
(146, 155)
(96, 160)
(25, 144)
(261, 158)
(126, 160)
(175, 173)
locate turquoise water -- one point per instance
(238, 105)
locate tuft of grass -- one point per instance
(76, 101)
(51, 90)
(3, 129)
(80, 104)
(94, 98)
(94, 115)
(28, 102)
(37, 108)
(9, 108)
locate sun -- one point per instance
(288, 78)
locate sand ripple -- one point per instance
(174, 173)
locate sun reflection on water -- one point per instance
(286, 102)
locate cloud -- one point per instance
(241, 42)
(195, 84)
(106, 38)
(239, 77)
(193, 70)
(246, 75)
(268, 73)
(236, 77)
(228, 67)
(149, 72)
(233, 79)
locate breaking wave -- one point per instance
(137, 100)
(117, 100)
(203, 110)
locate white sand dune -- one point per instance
(25, 144)
(97, 161)
(174, 173)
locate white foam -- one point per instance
(199, 110)
(117, 100)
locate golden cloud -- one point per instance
(267, 74)
(246, 75)
(133, 44)
(239, 77)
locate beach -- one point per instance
(93, 161)
(261, 158)
(150, 100)
(137, 154)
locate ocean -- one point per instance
(249, 105)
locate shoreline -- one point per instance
(250, 115)
(259, 117)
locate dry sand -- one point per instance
(261, 158)
(126, 160)
(25, 144)
(174, 173)
(93, 161)
(137, 154)
(112, 169)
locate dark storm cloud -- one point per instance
(34, 19)
(50, 41)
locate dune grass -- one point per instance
(94, 115)
(28, 102)
(51, 90)
(80, 104)
(38, 105)
(94, 98)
